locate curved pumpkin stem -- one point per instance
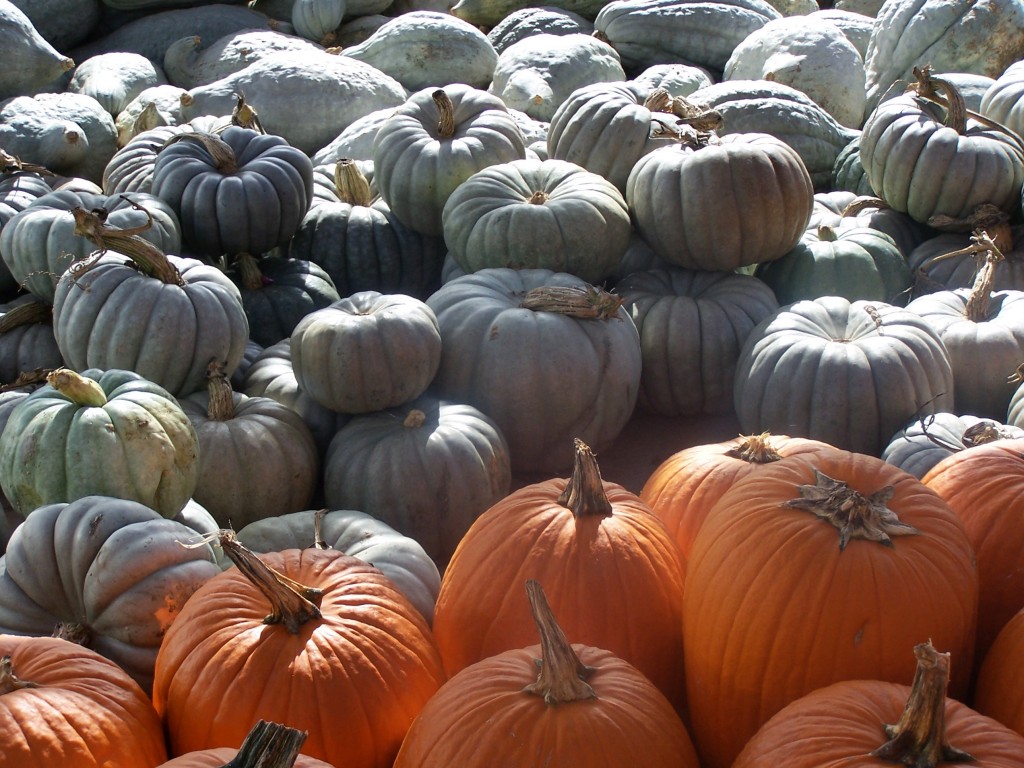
(220, 404)
(855, 515)
(919, 738)
(77, 388)
(562, 677)
(584, 494)
(269, 745)
(755, 449)
(220, 152)
(9, 682)
(292, 604)
(145, 255)
(446, 110)
(977, 308)
(29, 313)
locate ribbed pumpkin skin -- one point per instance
(1002, 100)
(427, 468)
(630, 721)
(683, 488)
(416, 168)
(929, 258)
(692, 325)
(841, 724)
(115, 567)
(139, 446)
(985, 487)
(251, 209)
(920, 166)
(355, 678)
(920, 446)
(537, 214)
(614, 582)
(86, 711)
(113, 316)
(846, 373)
(40, 243)
(749, 645)
(580, 377)
(999, 692)
(26, 347)
(709, 208)
(315, 19)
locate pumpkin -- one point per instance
(367, 352)
(588, 540)
(871, 552)
(34, 62)
(115, 78)
(846, 373)
(62, 704)
(399, 557)
(173, 314)
(861, 723)
(857, 263)
(982, 485)
(433, 142)
(112, 573)
(26, 339)
(544, 354)
(999, 692)
(41, 242)
(537, 214)
(297, 637)
(1002, 99)
(924, 155)
(668, 195)
(428, 469)
(921, 445)
(951, 260)
(268, 745)
(692, 325)
(109, 433)
(316, 20)
(238, 434)
(841, 209)
(585, 706)
(524, 22)
(237, 192)
(684, 487)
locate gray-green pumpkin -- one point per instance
(110, 433)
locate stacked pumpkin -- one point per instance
(376, 280)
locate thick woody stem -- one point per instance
(562, 677)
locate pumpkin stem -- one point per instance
(585, 303)
(827, 234)
(919, 738)
(414, 419)
(977, 307)
(11, 165)
(221, 154)
(251, 277)
(855, 515)
(77, 388)
(658, 100)
(9, 682)
(862, 202)
(562, 677)
(538, 198)
(28, 313)
(446, 111)
(220, 404)
(269, 745)
(755, 449)
(244, 116)
(928, 87)
(986, 216)
(982, 433)
(584, 494)
(292, 604)
(145, 255)
(318, 525)
(33, 378)
(74, 632)
(350, 183)
(701, 118)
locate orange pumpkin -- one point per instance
(875, 724)
(585, 708)
(985, 486)
(684, 486)
(65, 705)
(818, 568)
(312, 639)
(611, 571)
(1000, 686)
(267, 745)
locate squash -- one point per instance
(547, 20)
(1002, 100)
(107, 433)
(544, 354)
(846, 373)
(33, 63)
(998, 693)
(115, 78)
(859, 723)
(537, 214)
(921, 445)
(297, 636)
(316, 20)
(27, 344)
(269, 745)
(111, 573)
(871, 552)
(94, 712)
(428, 469)
(840, 209)
(612, 572)
(703, 204)
(584, 705)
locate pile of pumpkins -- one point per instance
(318, 313)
